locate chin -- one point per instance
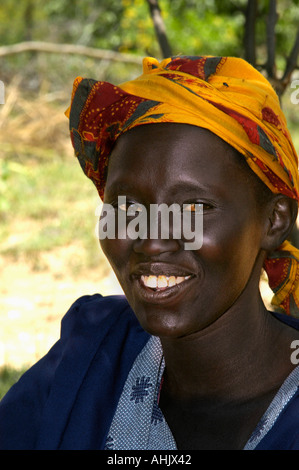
(162, 322)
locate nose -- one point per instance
(157, 246)
(162, 231)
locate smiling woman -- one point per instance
(202, 163)
(189, 358)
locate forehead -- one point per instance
(169, 155)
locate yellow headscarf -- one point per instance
(223, 94)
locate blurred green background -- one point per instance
(49, 254)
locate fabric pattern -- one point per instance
(276, 407)
(225, 95)
(139, 424)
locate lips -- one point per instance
(161, 283)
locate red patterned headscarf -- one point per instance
(223, 94)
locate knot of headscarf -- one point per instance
(225, 95)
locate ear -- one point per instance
(281, 217)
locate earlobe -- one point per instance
(282, 214)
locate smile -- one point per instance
(162, 289)
(162, 281)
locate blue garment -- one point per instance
(69, 398)
(139, 423)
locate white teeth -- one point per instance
(162, 281)
(150, 281)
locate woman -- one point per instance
(190, 358)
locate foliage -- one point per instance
(8, 377)
(40, 181)
(193, 28)
(208, 26)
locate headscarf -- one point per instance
(225, 95)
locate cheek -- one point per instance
(116, 251)
(231, 246)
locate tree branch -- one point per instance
(159, 26)
(39, 46)
(291, 64)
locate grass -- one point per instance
(44, 206)
(45, 199)
(49, 254)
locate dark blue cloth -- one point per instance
(284, 435)
(68, 399)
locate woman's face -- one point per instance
(182, 164)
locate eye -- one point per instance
(131, 208)
(195, 207)
(122, 207)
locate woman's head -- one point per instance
(187, 165)
(224, 96)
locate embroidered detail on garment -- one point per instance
(140, 389)
(138, 423)
(157, 415)
(109, 443)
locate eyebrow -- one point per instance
(188, 186)
(195, 189)
(120, 187)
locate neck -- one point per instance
(220, 361)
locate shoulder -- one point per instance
(95, 311)
(96, 320)
(284, 435)
(97, 334)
